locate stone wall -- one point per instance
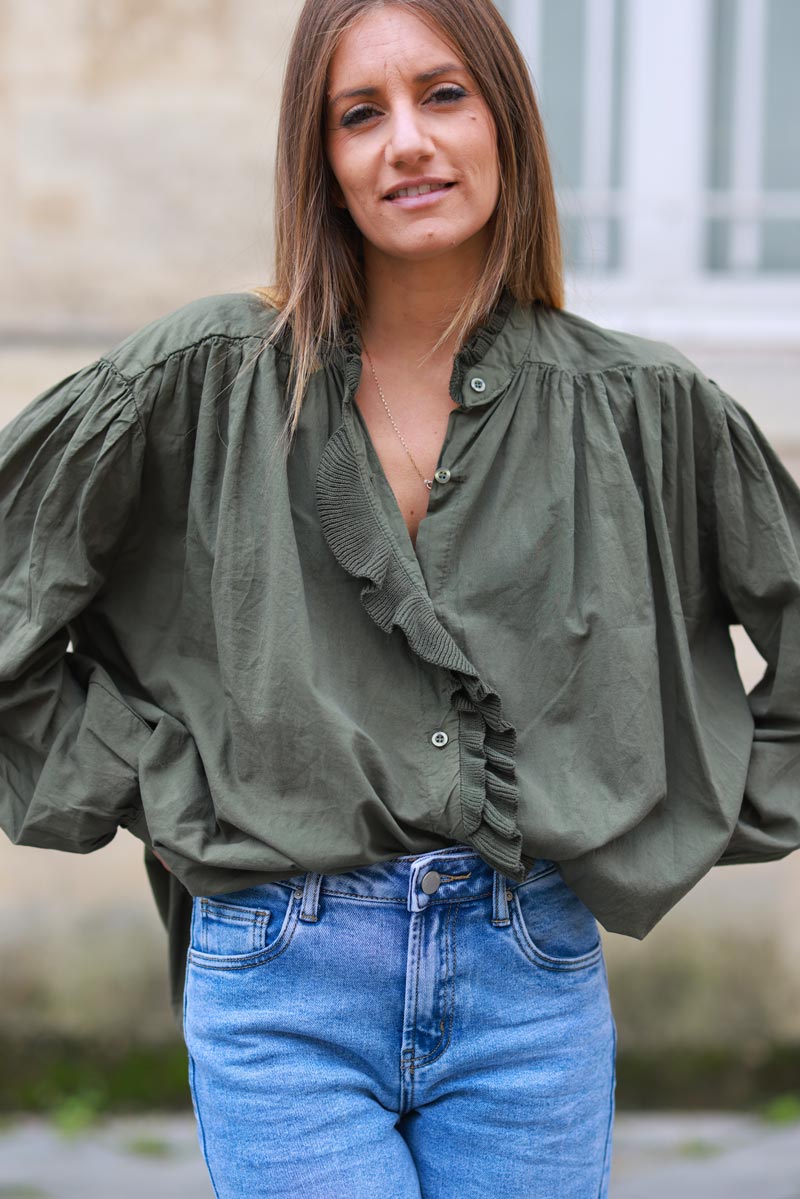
(136, 149)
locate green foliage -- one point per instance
(689, 988)
(149, 1147)
(782, 1109)
(74, 1114)
(698, 1149)
(21, 1190)
(720, 1078)
(76, 1082)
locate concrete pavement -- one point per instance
(656, 1156)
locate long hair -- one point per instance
(319, 281)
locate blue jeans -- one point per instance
(422, 1027)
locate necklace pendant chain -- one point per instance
(428, 482)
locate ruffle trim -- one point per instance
(354, 533)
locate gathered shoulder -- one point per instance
(233, 316)
(649, 385)
(575, 343)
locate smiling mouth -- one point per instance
(418, 191)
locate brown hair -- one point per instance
(318, 266)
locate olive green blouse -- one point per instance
(266, 676)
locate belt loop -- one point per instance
(309, 909)
(500, 916)
(418, 900)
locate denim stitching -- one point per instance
(408, 1056)
(332, 890)
(201, 1127)
(256, 918)
(545, 961)
(438, 1049)
(417, 973)
(444, 1039)
(601, 1194)
(238, 911)
(258, 956)
(193, 1093)
(432, 900)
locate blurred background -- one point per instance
(136, 151)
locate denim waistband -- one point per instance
(457, 872)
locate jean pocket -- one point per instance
(554, 928)
(243, 928)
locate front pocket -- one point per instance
(243, 928)
(552, 925)
(227, 929)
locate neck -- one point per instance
(410, 304)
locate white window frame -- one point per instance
(663, 288)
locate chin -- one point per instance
(424, 247)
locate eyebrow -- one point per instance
(423, 77)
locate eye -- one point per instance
(358, 115)
(448, 94)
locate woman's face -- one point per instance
(402, 127)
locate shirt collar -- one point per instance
(482, 367)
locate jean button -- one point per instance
(430, 882)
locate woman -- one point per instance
(402, 711)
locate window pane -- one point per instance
(782, 97)
(578, 46)
(721, 92)
(561, 82)
(780, 245)
(717, 247)
(753, 170)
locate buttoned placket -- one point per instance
(440, 741)
(430, 556)
(429, 561)
(469, 730)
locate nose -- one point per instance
(408, 137)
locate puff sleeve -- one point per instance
(756, 519)
(70, 467)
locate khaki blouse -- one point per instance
(267, 677)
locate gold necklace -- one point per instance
(428, 482)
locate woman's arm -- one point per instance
(756, 529)
(70, 468)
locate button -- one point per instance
(478, 384)
(440, 738)
(442, 475)
(430, 882)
